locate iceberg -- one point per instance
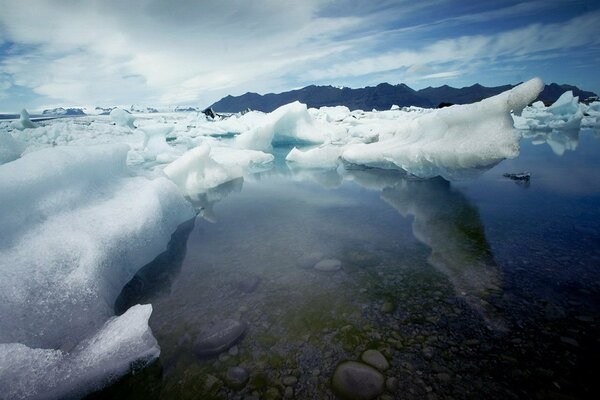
(122, 118)
(564, 114)
(24, 122)
(203, 168)
(290, 123)
(451, 140)
(76, 228)
(10, 148)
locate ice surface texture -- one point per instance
(75, 229)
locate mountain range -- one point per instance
(380, 97)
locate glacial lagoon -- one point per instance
(479, 288)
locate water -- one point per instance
(486, 288)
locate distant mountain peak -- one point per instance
(380, 97)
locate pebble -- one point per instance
(356, 381)
(328, 265)
(237, 376)
(289, 393)
(233, 351)
(375, 359)
(290, 380)
(219, 337)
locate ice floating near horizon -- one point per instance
(290, 123)
(75, 228)
(564, 114)
(326, 156)
(122, 118)
(24, 122)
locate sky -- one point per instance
(167, 53)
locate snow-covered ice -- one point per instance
(75, 229)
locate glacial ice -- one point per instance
(10, 148)
(122, 118)
(203, 167)
(290, 123)
(452, 139)
(75, 228)
(24, 122)
(564, 114)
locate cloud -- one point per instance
(530, 40)
(155, 52)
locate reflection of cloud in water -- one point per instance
(450, 225)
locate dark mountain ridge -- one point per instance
(380, 97)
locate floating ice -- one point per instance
(24, 122)
(325, 156)
(290, 123)
(565, 114)
(75, 228)
(203, 168)
(122, 118)
(155, 142)
(453, 139)
(10, 148)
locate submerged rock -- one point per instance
(219, 337)
(356, 381)
(328, 265)
(237, 377)
(375, 359)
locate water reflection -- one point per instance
(157, 276)
(559, 141)
(450, 225)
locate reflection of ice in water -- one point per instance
(558, 140)
(450, 225)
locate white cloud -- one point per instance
(531, 40)
(158, 52)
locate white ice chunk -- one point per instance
(34, 373)
(76, 227)
(155, 142)
(451, 139)
(325, 156)
(10, 148)
(196, 172)
(290, 123)
(122, 118)
(24, 122)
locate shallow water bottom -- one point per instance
(480, 289)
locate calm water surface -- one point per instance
(486, 288)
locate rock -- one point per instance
(219, 337)
(237, 377)
(391, 384)
(375, 359)
(520, 176)
(289, 393)
(272, 394)
(444, 377)
(290, 380)
(328, 265)
(233, 351)
(356, 381)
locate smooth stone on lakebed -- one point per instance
(375, 359)
(237, 376)
(328, 265)
(219, 337)
(356, 381)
